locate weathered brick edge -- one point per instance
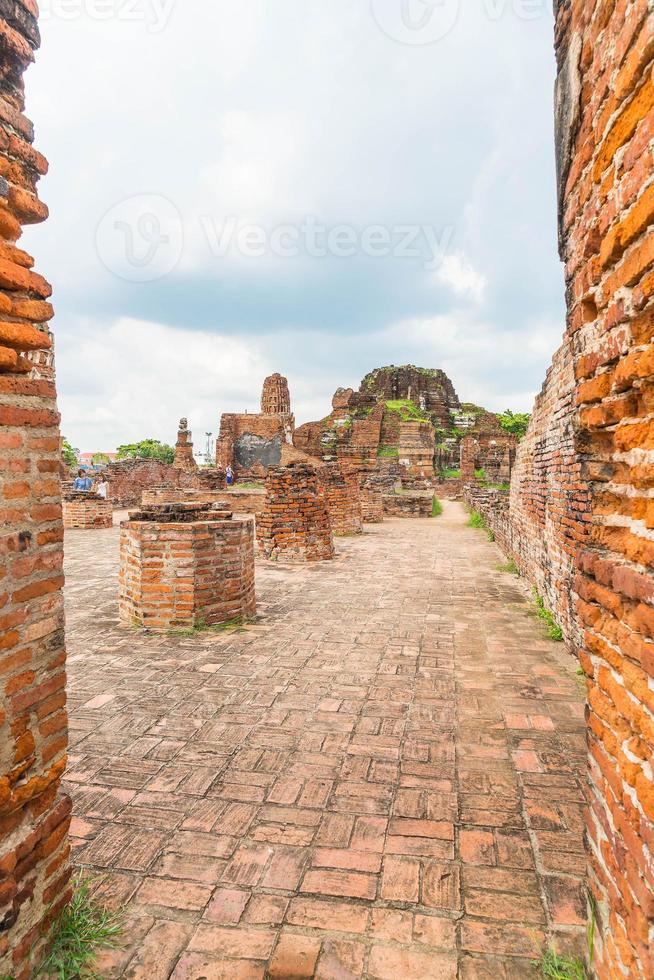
(605, 133)
(34, 818)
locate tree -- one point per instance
(515, 422)
(70, 455)
(147, 449)
(100, 458)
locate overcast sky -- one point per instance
(316, 187)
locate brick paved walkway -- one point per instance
(383, 778)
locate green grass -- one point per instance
(480, 474)
(561, 967)
(450, 474)
(476, 520)
(388, 452)
(78, 935)
(246, 486)
(436, 508)
(554, 630)
(510, 568)
(231, 626)
(407, 411)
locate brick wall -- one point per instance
(343, 500)
(86, 511)
(238, 501)
(549, 496)
(128, 480)
(605, 134)
(408, 504)
(185, 568)
(493, 506)
(295, 524)
(34, 850)
(250, 444)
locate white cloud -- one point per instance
(457, 272)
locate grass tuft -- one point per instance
(436, 508)
(561, 967)
(78, 935)
(476, 520)
(510, 568)
(554, 630)
(231, 626)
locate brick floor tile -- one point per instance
(392, 924)
(341, 884)
(440, 829)
(173, 894)
(341, 960)
(158, 951)
(244, 943)
(193, 868)
(390, 963)
(477, 846)
(295, 957)
(196, 966)
(285, 869)
(502, 939)
(369, 833)
(441, 886)
(401, 880)
(346, 859)
(226, 905)
(266, 910)
(246, 867)
(322, 914)
(430, 930)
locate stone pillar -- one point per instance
(86, 511)
(605, 121)
(469, 448)
(294, 525)
(275, 397)
(343, 500)
(184, 458)
(34, 817)
(184, 566)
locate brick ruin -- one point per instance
(295, 524)
(252, 443)
(34, 816)
(577, 519)
(86, 511)
(129, 479)
(184, 458)
(408, 414)
(186, 565)
(343, 500)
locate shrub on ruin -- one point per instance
(78, 935)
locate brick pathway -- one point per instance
(383, 778)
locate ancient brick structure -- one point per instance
(251, 443)
(493, 506)
(469, 448)
(343, 500)
(129, 479)
(295, 524)
(409, 503)
(184, 458)
(431, 389)
(249, 501)
(275, 397)
(186, 565)
(605, 133)
(34, 818)
(86, 511)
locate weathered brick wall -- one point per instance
(549, 496)
(408, 504)
(605, 135)
(468, 454)
(34, 850)
(493, 506)
(128, 480)
(86, 511)
(251, 444)
(238, 501)
(185, 569)
(275, 396)
(295, 523)
(343, 500)
(184, 458)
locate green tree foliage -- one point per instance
(70, 455)
(515, 422)
(147, 449)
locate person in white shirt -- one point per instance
(102, 487)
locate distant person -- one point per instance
(102, 487)
(229, 476)
(83, 482)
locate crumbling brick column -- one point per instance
(468, 448)
(184, 458)
(343, 500)
(34, 817)
(184, 566)
(605, 131)
(295, 525)
(275, 396)
(86, 511)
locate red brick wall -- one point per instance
(183, 575)
(549, 496)
(130, 479)
(343, 500)
(34, 850)
(295, 524)
(86, 512)
(605, 136)
(250, 444)
(408, 504)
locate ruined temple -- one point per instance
(251, 443)
(184, 458)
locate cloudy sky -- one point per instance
(316, 187)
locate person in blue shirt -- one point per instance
(83, 482)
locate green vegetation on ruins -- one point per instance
(82, 930)
(388, 452)
(407, 410)
(554, 630)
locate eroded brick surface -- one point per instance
(383, 777)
